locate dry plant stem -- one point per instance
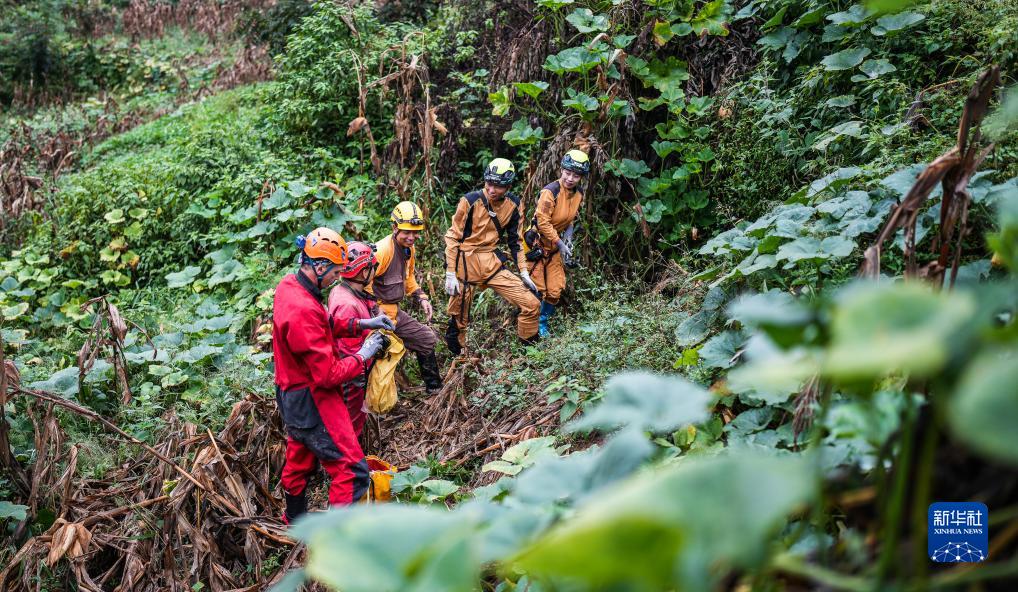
(78, 409)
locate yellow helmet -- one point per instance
(500, 172)
(407, 216)
(576, 161)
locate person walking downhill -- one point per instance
(549, 240)
(395, 281)
(309, 372)
(353, 315)
(473, 261)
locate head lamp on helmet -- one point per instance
(576, 161)
(500, 172)
(407, 216)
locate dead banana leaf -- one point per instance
(71, 540)
(12, 377)
(117, 323)
(356, 125)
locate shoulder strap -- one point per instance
(554, 188)
(468, 226)
(491, 213)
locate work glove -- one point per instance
(525, 276)
(429, 311)
(370, 347)
(452, 285)
(567, 236)
(382, 321)
(564, 250)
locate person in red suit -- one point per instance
(309, 374)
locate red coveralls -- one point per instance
(309, 375)
(346, 305)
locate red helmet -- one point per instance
(358, 256)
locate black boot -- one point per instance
(296, 506)
(532, 340)
(452, 337)
(429, 371)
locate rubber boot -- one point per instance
(532, 340)
(429, 371)
(296, 506)
(452, 334)
(547, 311)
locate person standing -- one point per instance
(473, 260)
(309, 372)
(557, 207)
(353, 315)
(395, 281)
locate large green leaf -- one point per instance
(881, 328)
(573, 59)
(896, 22)
(721, 351)
(531, 89)
(984, 407)
(14, 511)
(857, 14)
(877, 68)
(522, 134)
(629, 168)
(845, 59)
(183, 277)
(391, 547)
(586, 21)
(646, 401)
(701, 518)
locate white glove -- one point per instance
(567, 236)
(452, 285)
(525, 276)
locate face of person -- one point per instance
(406, 238)
(330, 278)
(495, 191)
(569, 179)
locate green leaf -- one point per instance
(984, 409)
(857, 14)
(138, 213)
(354, 548)
(702, 518)
(710, 19)
(905, 327)
(628, 168)
(16, 512)
(115, 216)
(280, 198)
(645, 401)
(175, 378)
(586, 21)
(554, 4)
(500, 102)
(574, 59)
(877, 68)
(522, 134)
(581, 102)
(410, 478)
(896, 22)
(179, 279)
(721, 351)
(805, 248)
(846, 59)
(13, 311)
(531, 89)
(841, 101)
(437, 489)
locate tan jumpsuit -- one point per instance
(554, 215)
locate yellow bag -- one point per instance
(380, 484)
(381, 395)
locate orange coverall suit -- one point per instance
(471, 253)
(556, 209)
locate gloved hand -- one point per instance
(370, 347)
(567, 236)
(382, 321)
(563, 249)
(429, 311)
(452, 285)
(525, 276)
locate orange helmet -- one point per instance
(359, 256)
(323, 243)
